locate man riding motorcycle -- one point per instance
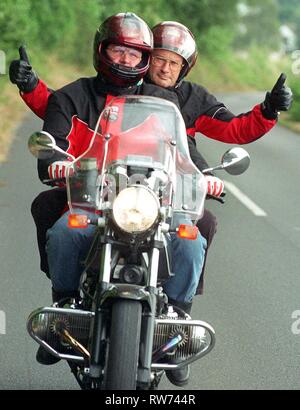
(172, 59)
(121, 57)
(201, 111)
(35, 94)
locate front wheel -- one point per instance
(123, 353)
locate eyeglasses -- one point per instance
(118, 51)
(160, 61)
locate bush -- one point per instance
(14, 27)
(216, 43)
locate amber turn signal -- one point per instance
(187, 232)
(78, 221)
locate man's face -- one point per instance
(127, 56)
(165, 67)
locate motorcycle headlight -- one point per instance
(135, 209)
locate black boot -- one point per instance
(180, 377)
(42, 355)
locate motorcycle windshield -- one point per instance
(137, 137)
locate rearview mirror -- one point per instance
(235, 161)
(43, 146)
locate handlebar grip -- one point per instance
(53, 180)
(216, 198)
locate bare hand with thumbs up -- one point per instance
(21, 73)
(279, 99)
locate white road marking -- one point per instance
(2, 323)
(244, 199)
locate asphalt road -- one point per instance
(252, 279)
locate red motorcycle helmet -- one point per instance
(173, 36)
(125, 29)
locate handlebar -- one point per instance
(216, 198)
(63, 180)
(54, 180)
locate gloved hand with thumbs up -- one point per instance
(279, 99)
(22, 74)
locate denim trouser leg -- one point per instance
(187, 260)
(66, 249)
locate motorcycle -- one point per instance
(136, 174)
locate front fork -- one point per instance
(106, 292)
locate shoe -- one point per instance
(44, 357)
(179, 377)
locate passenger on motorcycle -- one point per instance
(174, 55)
(47, 207)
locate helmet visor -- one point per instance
(127, 29)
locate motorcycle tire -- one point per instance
(123, 353)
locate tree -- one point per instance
(14, 27)
(289, 14)
(259, 24)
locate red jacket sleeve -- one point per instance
(37, 100)
(223, 126)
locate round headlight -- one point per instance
(135, 209)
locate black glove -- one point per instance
(279, 99)
(21, 73)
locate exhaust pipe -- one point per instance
(182, 341)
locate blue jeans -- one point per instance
(67, 247)
(66, 250)
(187, 257)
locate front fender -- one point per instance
(125, 291)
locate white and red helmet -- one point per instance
(173, 36)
